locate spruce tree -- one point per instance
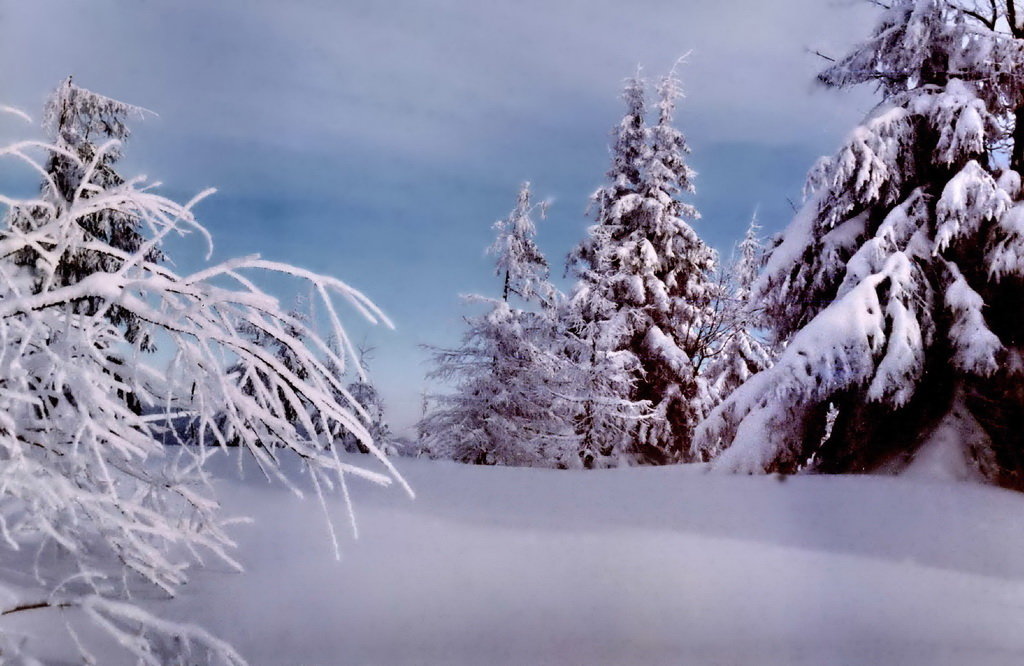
(898, 285)
(87, 131)
(606, 417)
(741, 351)
(363, 395)
(643, 303)
(503, 408)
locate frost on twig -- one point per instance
(120, 378)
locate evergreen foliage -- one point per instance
(898, 284)
(504, 407)
(643, 307)
(741, 351)
(87, 131)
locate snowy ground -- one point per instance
(635, 566)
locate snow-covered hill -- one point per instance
(631, 566)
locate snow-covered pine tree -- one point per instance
(605, 422)
(368, 398)
(740, 351)
(502, 409)
(898, 285)
(517, 259)
(93, 501)
(359, 395)
(643, 303)
(87, 130)
(283, 354)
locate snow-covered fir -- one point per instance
(643, 306)
(742, 350)
(363, 394)
(87, 132)
(897, 285)
(504, 406)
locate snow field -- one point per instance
(629, 566)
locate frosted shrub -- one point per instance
(103, 440)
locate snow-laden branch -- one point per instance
(104, 444)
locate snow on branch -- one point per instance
(105, 443)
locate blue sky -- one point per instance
(378, 141)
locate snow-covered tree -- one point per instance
(359, 389)
(282, 352)
(503, 408)
(366, 395)
(643, 303)
(95, 501)
(740, 351)
(898, 284)
(517, 259)
(78, 122)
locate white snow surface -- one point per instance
(627, 566)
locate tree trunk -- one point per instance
(1017, 154)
